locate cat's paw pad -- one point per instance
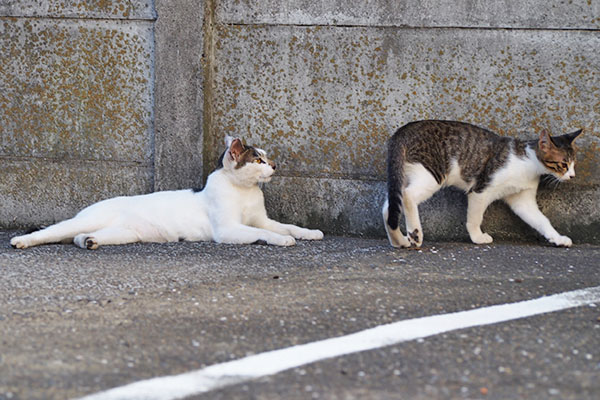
(415, 238)
(91, 243)
(86, 242)
(562, 241)
(19, 242)
(484, 238)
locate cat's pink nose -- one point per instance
(272, 164)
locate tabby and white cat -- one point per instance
(230, 209)
(426, 156)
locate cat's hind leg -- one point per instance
(60, 232)
(106, 236)
(477, 204)
(421, 186)
(395, 236)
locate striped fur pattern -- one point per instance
(425, 156)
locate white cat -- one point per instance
(230, 209)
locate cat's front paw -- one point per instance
(19, 242)
(311, 234)
(483, 238)
(562, 241)
(283, 240)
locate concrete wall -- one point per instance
(76, 105)
(116, 97)
(323, 84)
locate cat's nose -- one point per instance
(272, 164)
(568, 176)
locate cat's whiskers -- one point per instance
(550, 181)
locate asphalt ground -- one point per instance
(74, 322)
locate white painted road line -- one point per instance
(233, 372)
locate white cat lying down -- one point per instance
(230, 209)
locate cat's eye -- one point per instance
(259, 161)
(564, 165)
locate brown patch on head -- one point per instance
(236, 149)
(246, 157)
(243, 155)
(556, 153)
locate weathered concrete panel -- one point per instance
(353, 207)
(76, 89)
(76, 107)
(179, 94)
(575, 14)
(115, 9)
(324, 100)
(43, 191)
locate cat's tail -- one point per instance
(392, 209)
(395, 175)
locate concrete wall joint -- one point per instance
(208, 63)
(408, 27)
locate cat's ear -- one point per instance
(236, 148)
(545, 142)
(573, 135)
